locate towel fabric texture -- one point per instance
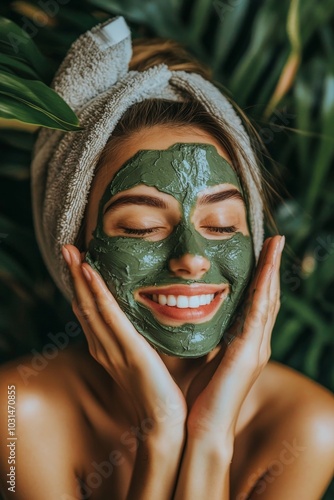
(95, 81)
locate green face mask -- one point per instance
(131, 263)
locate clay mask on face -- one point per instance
(129, 264)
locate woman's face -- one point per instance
(171, 238)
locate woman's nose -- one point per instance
(189, 266)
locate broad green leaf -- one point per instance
(304, 97)
(314, 16)
(16, 42)
(309, 315)
(200, 12)
(231, 18)
(325, 152)
(160, 15)
(82, 21)
(284, 338)
(313, 358)
(259, 53)
(17, 67)
(289, 71)
(34, 102)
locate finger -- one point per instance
(136, 352)
(112, 314)
(105, 318)
(257, 314)
(73, 260)
(93, 343)
(274, 257)
(271, 261)
(267, 248)
(274, 304)
(275, 283)
(261, 260)
(101, 341)
(259, 269)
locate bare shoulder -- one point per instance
(296, 424)
(36, 393)
(291, 400)
(43, 384)
(293, 391)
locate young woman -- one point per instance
(174, 397)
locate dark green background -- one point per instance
(247, 44)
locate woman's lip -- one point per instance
(187, 290)
(174, 316)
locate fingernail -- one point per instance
(86, 273)
(282, 243)
(66, 255)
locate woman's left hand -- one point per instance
(217, 393)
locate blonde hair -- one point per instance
(188, 113)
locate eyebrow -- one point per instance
(150, 201)
(220, 196)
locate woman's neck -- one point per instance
(183, 370)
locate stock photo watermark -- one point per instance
(294, 276)
(40, 359)
(259, 480)
(222, 7)
(129, 440)
(30, 26)
(279, 120)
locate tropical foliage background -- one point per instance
(276, 59)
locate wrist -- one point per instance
(210, 432)
(216, 446)
(163, 440)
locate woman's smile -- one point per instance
(178, 304)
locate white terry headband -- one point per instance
(95, 81)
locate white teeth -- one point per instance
(162, 300)
(171, 300)
(210, 297)
(202, 300)
(194, 301)
(183, 301)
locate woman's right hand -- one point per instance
(125, 354)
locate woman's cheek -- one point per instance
(128, 263)
(235, 259)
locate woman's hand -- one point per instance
(114, 343)
(140, 373)
(217, 393)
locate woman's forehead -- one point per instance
(157, 137)
(183, 170)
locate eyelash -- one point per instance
(143, 232)
(140, 232)
(229, 229)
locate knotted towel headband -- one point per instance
(95, 81)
